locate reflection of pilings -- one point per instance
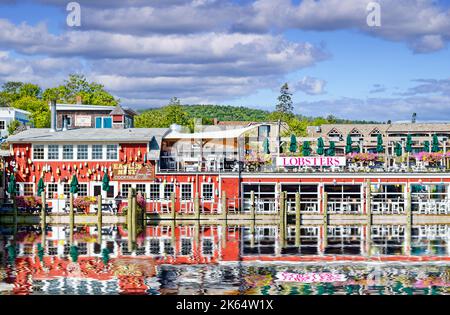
(282, 218)
(129, 219)
(43, 218)
(197, 207)
(297, 219)
(71, 218)
(99, 219)
(133, 216)
(172, 206)
(224, 205)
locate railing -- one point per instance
(431, 206)
(387, 206)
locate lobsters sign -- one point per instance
(311, 161)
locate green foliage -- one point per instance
(13, 125)
(285, 105)
(173, 113)
(40, 112)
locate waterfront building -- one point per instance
(8, 114)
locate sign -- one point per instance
(83, 121)
(133, 171)
(310, 277)
(311, 161)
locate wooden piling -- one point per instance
(224, 205)
(99, 219)
(408, 212)
(325, 219)
(297, 219)
(197, 207)
(368, 218)
(43, 218)
(252, 218)
(282, 213)
(71, 217)
(129, 220)
(172, 206)
(134, 215)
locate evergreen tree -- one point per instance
(285, 101)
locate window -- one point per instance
(125, 188)
(82, 189)
(111, 152)
(66, 190)
(97, 152)
(154, 192)
(263, 132)
(186, 192)
(140, 188)
(103, 122)
(28, 189)
(2, 124)
(168, 190)
(207, 246)
(186, 246)
(82, 152)
(168, 248)
(53, 152)
(154, 246)
(67, 152)
(52, 189)
(207, 192)
(38, 152)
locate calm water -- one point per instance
(232, 259)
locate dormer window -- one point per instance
(335, 135)
(355, 133)
(374, 133)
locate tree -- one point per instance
(285, 101)
(40, 112)
(173, 113)
(13, 125)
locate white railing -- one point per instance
(388, 207)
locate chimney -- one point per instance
(216, 121)
(78, 98)
(52, 115)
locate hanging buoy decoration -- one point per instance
(27, 170)
(26, 148)
(34, 178)
(135, 158)
(98, 177)
(18, 153)
(58, 171)
(68, 168)
(22, 153)
(64, 166)
(111, 174)
(81, 166)
(52, 179)
(38, 167)
(139, 153)
(74, 167)
(86, 164)
(29, 161)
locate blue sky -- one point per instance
(240, 52)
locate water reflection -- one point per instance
(172, 258)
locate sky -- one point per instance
(240, 52)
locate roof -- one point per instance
(15, 109)
(36, 135)
(119, 110)
(85, 107)
(218, 134)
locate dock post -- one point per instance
(252, 218)
(325, 220)
(15, 211)
(172, 206)
(129, 219)
(408, 211)
(99, 219)
(71, 218)
(224, 206)
(369, 218)
(43, 218)
(134, 214)
(197, 206)
(282, 218)
(297, 219)
(144, 211)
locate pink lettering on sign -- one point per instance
(310, 277)
(311, 161)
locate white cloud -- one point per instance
(311, 86)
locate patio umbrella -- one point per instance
(306, 148)
(293, 145)
(348, 145)
(73, 252)
(408, 147)
(426, 146)
(105, 182)
(398, 149)
(320, 146)
(105, 256)
(331, 149)
(266, 146)
(435, 144)
(74, 185)
(40, 187)
(380, 147)
(12, 184)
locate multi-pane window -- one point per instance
(53, 152)
(140, 188)
(207, 246)
(111, 152)
(97, 152)
(154, 192)
(67, 189)
(82, 189)
(38, 152)
(125, 188)
(207, 192)
(154, 246)
(168, 190)
(168, 248)
(67, 152)
(52, 189)
(28, 189)
(82, 152)
(186, 246)
(186, 192)
(2, 124)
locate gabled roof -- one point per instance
(334, 130)
(119, 110)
